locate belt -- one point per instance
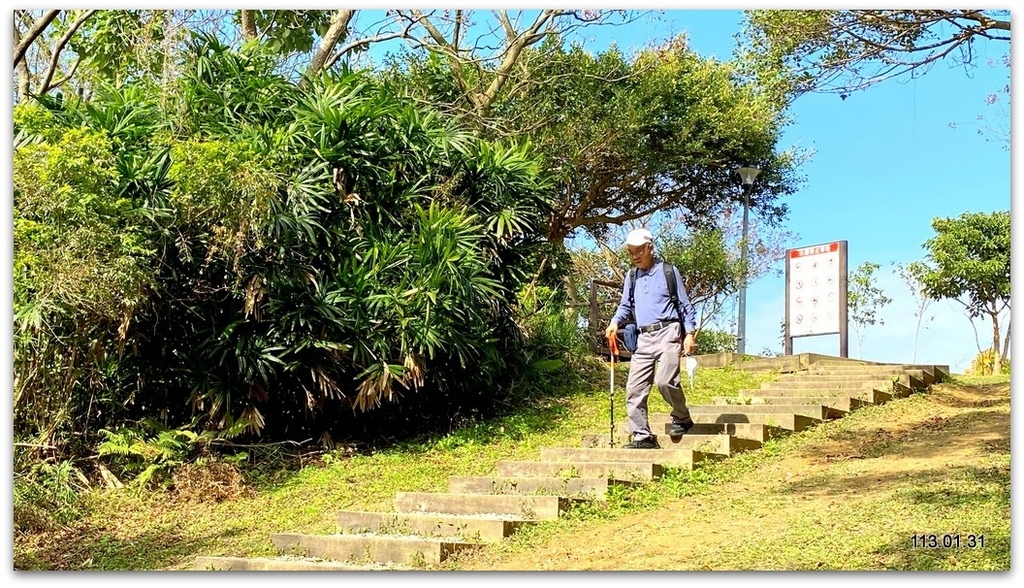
(657, 326)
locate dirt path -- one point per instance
(842, 490)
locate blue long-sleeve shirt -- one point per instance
(652, 301)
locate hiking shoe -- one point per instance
(645, 443)
(679, 429)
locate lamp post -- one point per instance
(747, 175)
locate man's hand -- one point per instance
(611, 331)
(610, 336)
(689, 344)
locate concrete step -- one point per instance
(816, 411)
(660, 422)
(720, 444)
(882, 383)
(616, 470)
(869, 395)
(849, 377)
(403, 549)
(931, 373)
(789, 422)
(526, 508)
(669, 457)
(578, 488)
(841, 403)
(284, 564)
(468, 527)
(759, 432)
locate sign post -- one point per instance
(816, 294)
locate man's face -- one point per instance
(642, 256)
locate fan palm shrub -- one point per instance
(321, 263)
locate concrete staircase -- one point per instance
(427, 528)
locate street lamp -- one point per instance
(747, 175)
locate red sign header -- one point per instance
(815, 250)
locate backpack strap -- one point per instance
(673, 294)
(632, 288)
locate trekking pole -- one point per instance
(613, 349)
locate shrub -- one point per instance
(714, 341)
(984, 362)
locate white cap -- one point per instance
(639, 237)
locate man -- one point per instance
(656, 359)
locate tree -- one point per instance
(968, 260)
(627, 137)
(841, 51)
(912, 276)
(864, 300)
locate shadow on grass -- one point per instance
(91, 548)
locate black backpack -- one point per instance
(631, 334)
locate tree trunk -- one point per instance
(1006, 341)
(22, 69)
(337, 31)
(248, 24)
(997, 362)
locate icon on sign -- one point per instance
(814, 317)
(799, 318)
(814, 301)
(799, 284)
(814, 265)
(831, 296)
(799, 300)
(798, 266)
(814, 282)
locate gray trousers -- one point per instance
(656, 361)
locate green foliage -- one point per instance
(864, 299)
(150, 452)
(289, 31)
(711, 271)
(969, 259)
(47, 495)
(222, 190)
(120, 44)
(715, 341)
(554, 342)
(82, 269)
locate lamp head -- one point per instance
(747, 174)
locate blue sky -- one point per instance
(885, 163)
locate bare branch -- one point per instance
(59, 47)
(366, 41)
(70, 74)
(33, 33)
